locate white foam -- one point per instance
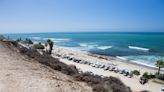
(57, 39)
(138, 48)
(61, 39)
(141, 63)
(145, 59)
(83, 44)
(104, 47)
(88, 46)
(36, 38)
(91, 46)
(122, 58)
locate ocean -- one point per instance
(140, 47)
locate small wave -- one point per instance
(139, 60)
(61, 39)
(36, 38)
(104, 47)
(141, 63)
(86, 45)
(57, 39)
(83, 44)
(138, 48)
(144, 59)
(122, 58)
(91, 46)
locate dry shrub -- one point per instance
(99, 88)
(144, 91)
(107, 84)
(46, 59)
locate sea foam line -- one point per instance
(53, 39)
(104, 47)
(36, 38)
(138, 48)
(94, 46)
(122, 58)
(88, 45)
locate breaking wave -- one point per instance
(104, 47)
(138, 48)
(88, 45)
(36, 38)
(53, 39)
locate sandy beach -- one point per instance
(82, 46)
(133, 82)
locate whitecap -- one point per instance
(61, 39)
(36, 38)
(91, 46)
(138, 48)
(87, 45)
(148, 60)
(122, 58)
(58, 39)
(141, 63)
(104, 47)
(83, 44)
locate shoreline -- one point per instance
(131, 62)
(139, 64)
(153, 67)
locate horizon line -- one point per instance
(87, 32)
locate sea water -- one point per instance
(141, 47)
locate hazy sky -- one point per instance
(81, 15)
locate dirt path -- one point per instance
(18, 74)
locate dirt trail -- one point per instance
(18, 74)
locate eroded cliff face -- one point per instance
(21, 74)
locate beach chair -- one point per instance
(121, 71)
(162, 88)
(126, 72)
(130, 75)
(116, 70)
(111, 68)
(106, 68)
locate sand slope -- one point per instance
(18, 74)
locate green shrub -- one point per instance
(29, 41)
(145, 75)
(38, 46)
(148, 76)
(151, 76)
(136, 72)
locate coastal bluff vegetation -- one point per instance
(97, 83)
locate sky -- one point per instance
(23, 16)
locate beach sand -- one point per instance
(133, 82)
